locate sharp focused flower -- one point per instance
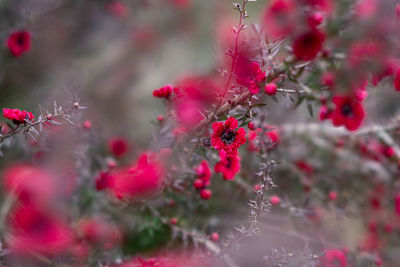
(226, 137)
(19, 42)
(348, 112)
(17, 116)
(307, 45)
(142, 180)
(229, 165)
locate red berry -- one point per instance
(252, 126)
(160, 118)
(205, 194)
(270, 88)
(87, 125)
(198, 184)
(333, 195)
(173, 221)
(214, 237)
(275, 200)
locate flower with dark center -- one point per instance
(348, 112)
(19, 42)
(226, 137)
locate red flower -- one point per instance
(348, 112)
(35, 230)
(307, 45)
(203, 172)
(163, 92)
(17, 116)
(142, 180)
(19, 43)
(118, 146)
(226, 137)
(396, 81)
(334, 257)
(229, 165)
(249, 73)
(102, 180)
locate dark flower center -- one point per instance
(347, 110)
(228, 136)
(20, 40)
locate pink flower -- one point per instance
(226, 137)
(19, 43)
(248, 73)
(229, 165)
(34, 230)
(142, 180)
(17, 116)
(30, 184)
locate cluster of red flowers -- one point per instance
(19, 43)
(163, 92)
(17, 116)
(202, 181)
(227, 138)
